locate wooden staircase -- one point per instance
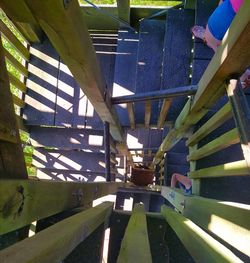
(86, 143)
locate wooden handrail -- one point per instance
(55, 243)
(213, 123)
(201, 246)
(66, 195)
(227, 220)
(227, 139)
(228, 169)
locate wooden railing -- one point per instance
(226, 220)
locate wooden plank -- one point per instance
(147, 113)
(227, 220)
(228, 169)
(213, 123)
(42, 85)
(7, 135)
(69, 160)
(125, 65)
(67, 138)
(17, 101)
(123, 7)
(20, 124)
(107, 151)
(177, 52)
(15, 63)
(241, 113)
(17, 83)
(47, 245)
(12, 160)
(135, 244)
(25, 201)
(23, 19)
(73, 44)
(220, 143)
(14, 41)
(196, 183)
(201, 246)
(131, 115)
(163, 114)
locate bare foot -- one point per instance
(198, 32)
(245, 79)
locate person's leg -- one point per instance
(182, 179)
(217, 25)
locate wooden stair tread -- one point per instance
(67, 138)
(177, 55)
(125, 68)
(149, 64)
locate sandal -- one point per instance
(198, 32)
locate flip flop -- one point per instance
(198, 32)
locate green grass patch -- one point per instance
(135, 2)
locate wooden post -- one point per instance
(124, 10)
(241, 113)
(12, 163)
(107, 151)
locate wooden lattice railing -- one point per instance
(226, 220)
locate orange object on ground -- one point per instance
(142, 177)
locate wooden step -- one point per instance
(69, 160)
(177, 56)
(125, 69)
(68, 138)
(149, 65)
(53, 96)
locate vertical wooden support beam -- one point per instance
(195, 182)
(23, 19)
(125, 169)
(241, 113)
(107, 151)
(147, 113)
(12, 163)
(164, 111)
(131, 115)
(135, 244)
(124, 10)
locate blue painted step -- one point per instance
(125, 68)
(149, 64)
(177, 55)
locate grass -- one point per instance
(135, 2)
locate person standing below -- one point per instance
(217, 26)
